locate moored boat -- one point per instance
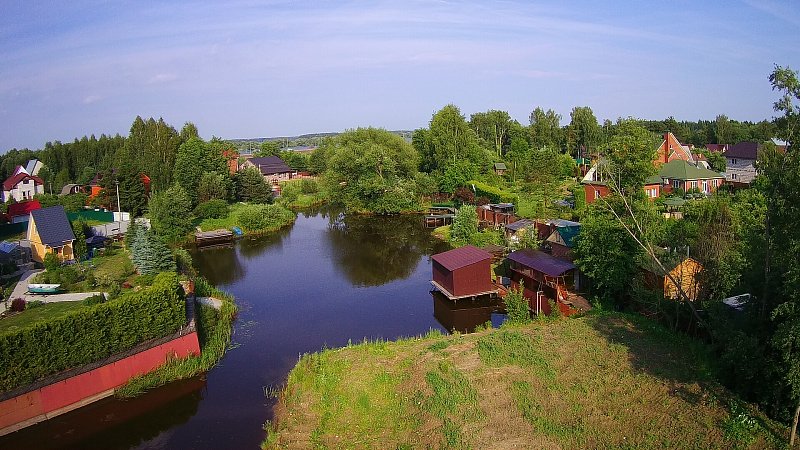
(39, 288)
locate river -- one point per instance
(326, 280)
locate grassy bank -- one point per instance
(600, 381)
(252, 219)
(214, 329)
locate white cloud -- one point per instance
(162, 78)
(89, 99)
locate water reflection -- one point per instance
(220, 264)
(465, 315)
(117, 424)
(374, 250)
(255, 246)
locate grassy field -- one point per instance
(40, 313)
(600, 381)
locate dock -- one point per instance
(446, 293)
(215, 237)
(438, 216)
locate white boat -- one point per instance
(39, 288)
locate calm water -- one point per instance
(326, 280)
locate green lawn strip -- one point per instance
(41, 313)
(454, 401)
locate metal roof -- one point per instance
(53, 226)
(461, 257)
(679, 169)
(743, 150)
(520, 224)
(270, 165)
(541, 262)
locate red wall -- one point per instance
(68, 394)
(473, 279)
(589, 189)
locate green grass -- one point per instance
(232, 220)
(604, 380)
(112, 267)
(41, 313)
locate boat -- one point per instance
(37, 288)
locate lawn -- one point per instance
(44, 312)
(232, 220)
(600, 381)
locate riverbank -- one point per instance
(604, 380)
(214, 329)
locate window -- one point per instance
(596, 194)
(734, 161)
(705, 186)
(676, 184)
(734, 176)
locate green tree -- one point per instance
(583, 132)
(212, 186)
(48, 178)
(493, 127)
(190, 165)
(631, 153)
(465, 225)
(171, 213)
(61, 179)
(189, 131)
(252, 187)
(450, 139)
(545, 129)
(79, 229)
(269, 148)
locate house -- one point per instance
(232, 160)
(500, 168)
(513, 229)
(272, 168)
(95, 187)
(20, 212)
(680, 174)
(545, 278)
(496, 214)
(21, 186)
(684, 273)
(562, 239)
(33, 167)
(49, 231)
(717, 148)
(463, 272)
(671, 149)
(740, 161)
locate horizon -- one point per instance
(280, 69)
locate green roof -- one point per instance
(681, 170)
(568, 234)
(653, 179)
(500, 166)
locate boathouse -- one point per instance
(546, 278)
(463, 272)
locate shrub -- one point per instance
(34, 304)
(212, 209)
(309, 186)
(255, 218)
(495, 194)
(463, 196)
(465, 224)
(517, 306)
(18, 304)
(94, 300)
(89, 334)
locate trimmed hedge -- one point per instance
(496, 195)
(92, 333)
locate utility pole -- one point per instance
(119, 207)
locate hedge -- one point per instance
(93, 333)
(494, 194)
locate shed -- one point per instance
(500, 168)
(463, 272)
(49, 231)
(684, 272)
(546, 277)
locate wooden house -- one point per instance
(49, 231)
(562, 239)
(545, 277)
(685, 273)
(500, 168)
(463, 272)
(496, 215)
(520, 226)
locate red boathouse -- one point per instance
(463, 272)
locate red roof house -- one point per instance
(22, 186)
(20, 212)
(463, 272)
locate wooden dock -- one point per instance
(447, 293)
(438, 216)
(215, 237)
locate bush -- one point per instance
(309, 186)
(257, 218)
(34, 304)
(89, 334)
(517, 306)
(212, 209)
(18, 305)
(496, 195)
(94, 300)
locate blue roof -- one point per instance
(53, 226)
(568, 234)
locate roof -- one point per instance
(68, 188)
(461, 257)
(269, 165)
(53, 226)
(8, 247)
(520, 224)
(23, 208)
(541, 262)
(743, 150)
(31, 167)
(16, 179)
(681, 170)
(716, 147)
(500, 166)
(96, 239)
(568, 234)
(653, 179)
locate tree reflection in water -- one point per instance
(374, 250)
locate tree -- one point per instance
(190, 164)
(545, 129)
(583, 132)
(79, 229)
(372, 170)
(631, 153)
(252, 187)
(189, 131)
(450, 139)
(518, 153)
(171, 213)
(212, 186)
(149, 253)
(132, 194)
(465, 225)
(269, 148)
(493, 127)
(47, 177)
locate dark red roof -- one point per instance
(461, 257)
(541, 262)
(16, 179)
(716, 147)
(743, 150)
(23, 208)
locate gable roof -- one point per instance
(18, 178)
(682, 170)
(270, 165)
(33, 166)
(461, 257)
(671, 149)
(567, 234)
(541, 262)
(23, 208)
(743, 150)
(53, 226)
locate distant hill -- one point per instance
(311, 136)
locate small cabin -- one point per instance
(521, 225)
(500, 168)
(546, 278)
(496, 215)
(463, 272)
(49, 231)
(685, 273)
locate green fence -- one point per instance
(100, 216)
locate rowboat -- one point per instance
(38, 288)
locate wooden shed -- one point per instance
(463, 272)
(685, 272)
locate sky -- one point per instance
(244, 69)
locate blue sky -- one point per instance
(242, 69)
